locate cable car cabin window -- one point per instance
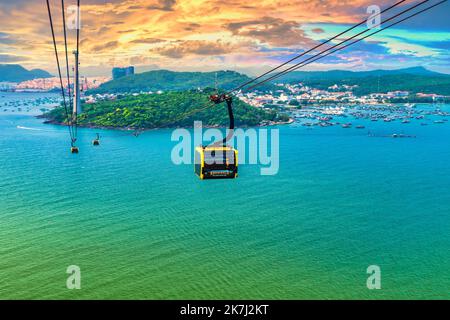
(219, 157)
(215, 162)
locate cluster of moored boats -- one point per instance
(321, 116)
(28, 105)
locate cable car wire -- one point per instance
(59, 69)
(78, 54)
(319, 56)
(67, 57)
(312, 49)
(300, 65)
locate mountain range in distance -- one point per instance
(17, 73)
(416, 79)
(346, 74)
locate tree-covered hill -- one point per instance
(164, 110)
(415, 80)
(172, 81)
(347, 74)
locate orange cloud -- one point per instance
(181, 49)
(160, 32)
(273, 31)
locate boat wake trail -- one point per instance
(28, 128)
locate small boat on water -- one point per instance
(439, 121)
(401, 135)
(346, 125)
(96, 141)
(406, 121)
(360, 126)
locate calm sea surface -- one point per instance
(141, 227)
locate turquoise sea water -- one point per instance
(141, 227)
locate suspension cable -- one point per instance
(319, 56)
(67, 56)
(59, 68)
(78, 61)
(312, 49)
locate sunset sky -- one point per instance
(248, 36)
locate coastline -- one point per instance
(269, 124)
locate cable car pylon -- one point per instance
(77, 99)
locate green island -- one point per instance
(166, 80)
(165, 110)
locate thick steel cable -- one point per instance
(290, 60)
(78, 73)
(59, 68)
(312, 49)
(67, 56)
(297, 65)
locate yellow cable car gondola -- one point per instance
(218, 161)
(215, 162)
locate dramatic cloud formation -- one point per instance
(104, 47)
(181, 49)
(317, 30)
(273, 31)
(6, 39)
(165, 5)
(7, 58)
(216, 34)
(147, 41)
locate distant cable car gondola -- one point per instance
(218, 160)
(96, 141)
